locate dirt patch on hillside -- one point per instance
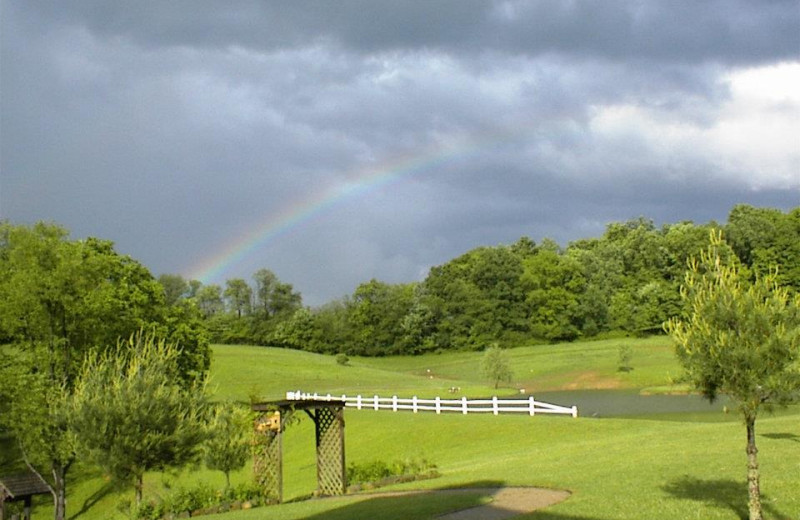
(592, 380)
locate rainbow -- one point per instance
(213, 268)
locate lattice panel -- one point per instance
(331, 479)
(268, 457)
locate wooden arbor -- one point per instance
(328, 417)
(21, 487)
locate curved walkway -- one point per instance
(507, 502)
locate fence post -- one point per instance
(358, 402)
(414, 404)
(464, 405)
(438, 405)
(394, 403)
(328, 397)
(533, 410)
(375, 405)
(574, 411)
(494, 405)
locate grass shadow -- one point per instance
(93, 499)
(727, 494)
(778, 436)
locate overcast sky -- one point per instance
(335, 142)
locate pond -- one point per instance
(626, 403)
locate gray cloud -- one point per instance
(173, 128)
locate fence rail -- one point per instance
(465, 406)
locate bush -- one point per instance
(342, 359)
(201, 498)
(624, 356)
(376, 471)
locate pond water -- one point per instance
(622, 403)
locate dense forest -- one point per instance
(624, 282)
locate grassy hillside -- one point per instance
(240, 371)
(616, 468)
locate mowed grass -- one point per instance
(615, 468)
(238, 372)
(563, 366)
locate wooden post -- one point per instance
(494, 405)
(532, 402)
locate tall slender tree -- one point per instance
(741, 340)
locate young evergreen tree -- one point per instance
(130, 413)
(227, 447)
(741, 340)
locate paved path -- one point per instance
(507, 502)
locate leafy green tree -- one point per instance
(239, 296)
(209, 300)
(495, 366)
(301, 332)
(130, 413)
(63, 299)
(376, 314)
(40, 422)
(266, 281)
(553, 284)
(741, 340)
(175, 287)
(228, 445)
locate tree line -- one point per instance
(624, 282)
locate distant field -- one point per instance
(684, 467)
(239, 371)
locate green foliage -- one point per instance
(130, 413)
(63, 300)
(227, 447)
(238, 296)
(495, 366)
(377, 470)
(175, 287)
(740, 339)
(624, 357)
(626, 282)
(342, 359)
(201, 498)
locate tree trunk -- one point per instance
(753, 489)
(60, 493)
(137, 485)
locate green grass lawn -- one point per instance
(240, 371)
(617, 468)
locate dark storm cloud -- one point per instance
(725, 31)
(175, 128)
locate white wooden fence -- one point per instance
(494, 405)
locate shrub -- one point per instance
(377, 471)
(342, 359)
